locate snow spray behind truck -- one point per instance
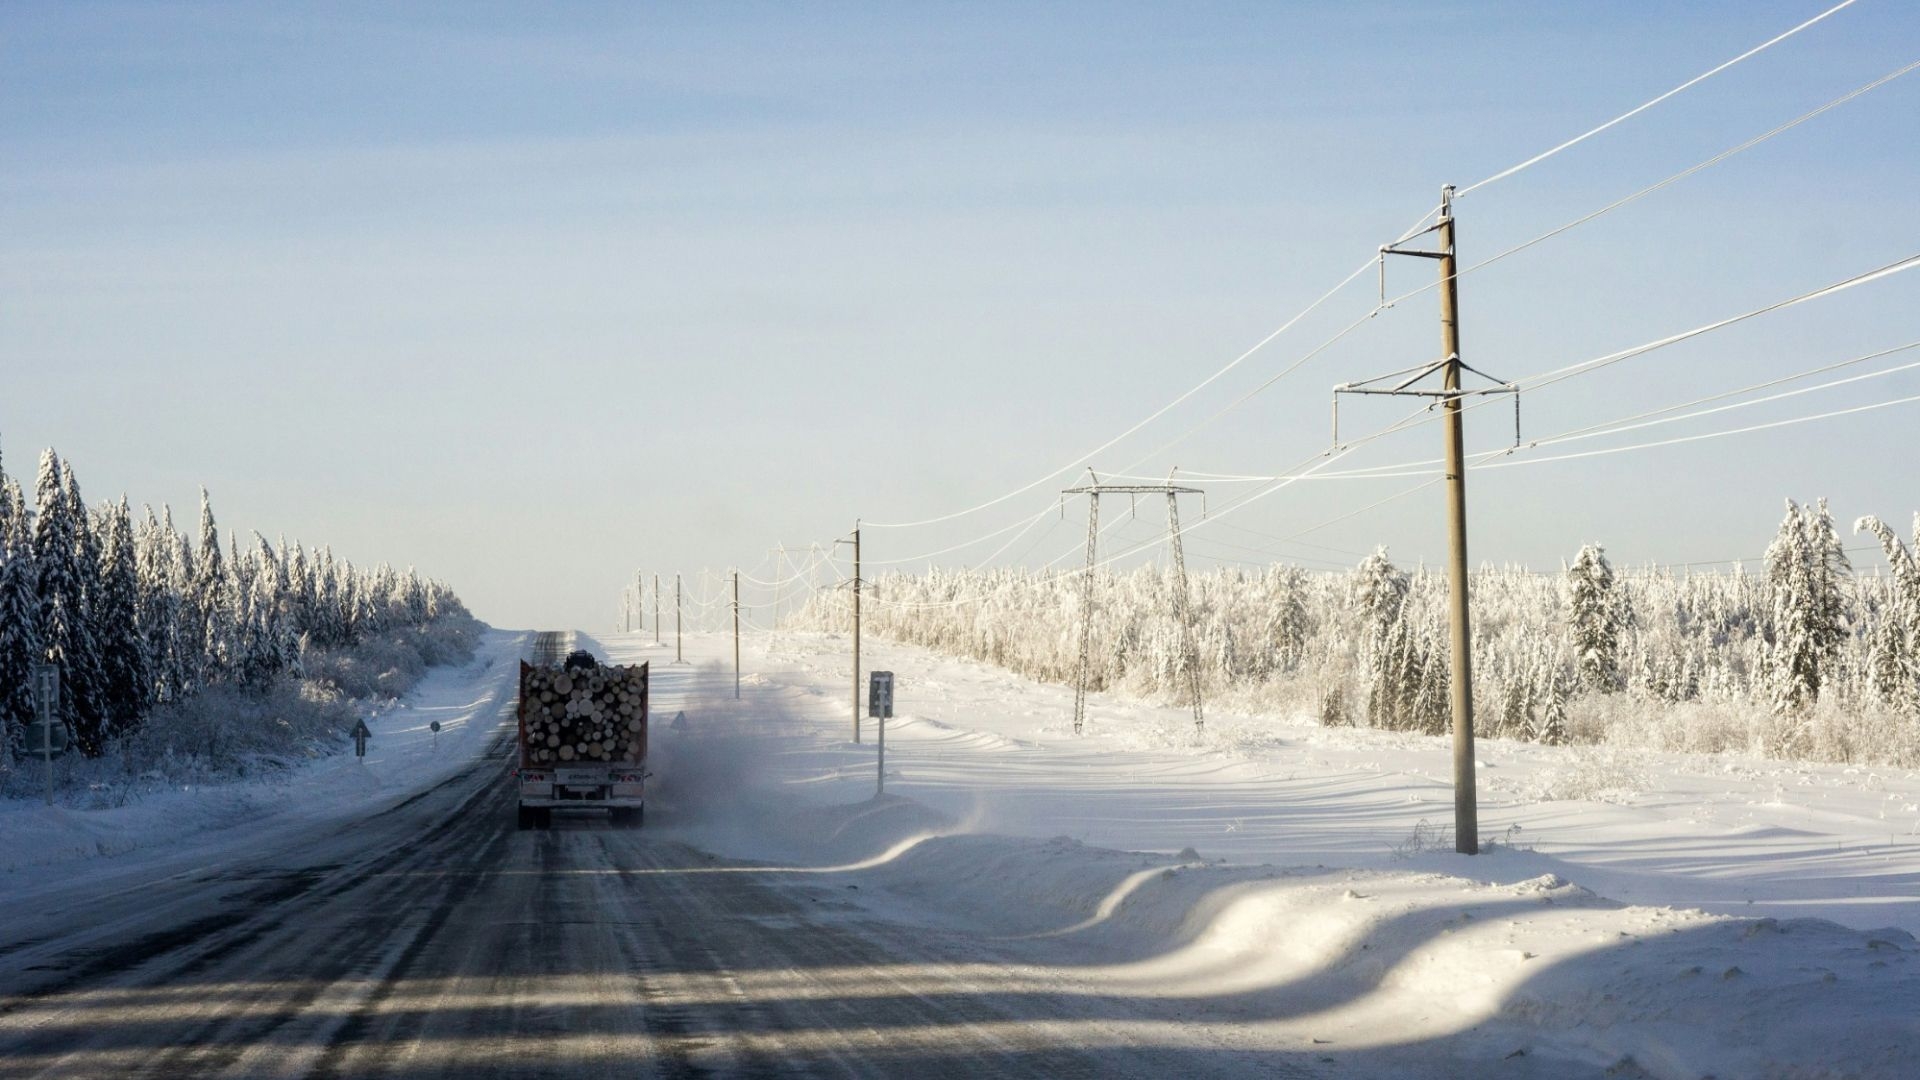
(583, 740)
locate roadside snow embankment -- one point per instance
(404, 754)
(1274, 931)
(1378, 961)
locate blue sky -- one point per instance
(533, 296)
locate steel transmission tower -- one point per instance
(1182, 606)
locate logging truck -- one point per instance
(583, 740)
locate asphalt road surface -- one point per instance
(434, 939)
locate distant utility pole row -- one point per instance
(1451, 370)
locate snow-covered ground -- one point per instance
(1653, 914)
(41, 845)
(1263, 886)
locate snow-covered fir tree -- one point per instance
(86, 679)
(20, 646)
(158, 611)
(1387, 652)
(1894, 661)
(1551, 727)
(213, 601)
(66, 632)
(1592, 620)
(1805, 564)
(126, 662)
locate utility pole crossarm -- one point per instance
(1131, 489)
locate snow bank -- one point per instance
(1292, 891)
(1372, 961)
(403, 755)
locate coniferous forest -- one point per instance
(189, 656)
(1803, 658)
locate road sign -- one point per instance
(360, 737)
(880, 707)
(679, 721)
(435, 727)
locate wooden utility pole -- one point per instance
(1450, 368)
(1466, 812)
(678, 658)
(736, 635)
(856, 626)
(656, 609)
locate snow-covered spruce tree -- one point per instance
(189, 626)
(87, 681)
(260, 624)
(1592, 619)
(1288, 627)
(299, 592)
(66, 632)
(126, 686)
(1893, 665)
(1551, 727)
(1333, 705)
(1514, 718)
(20, 646)
(158, 608)
(1432, 711)
(1804, 567)
(1380, 596)
(212, 600)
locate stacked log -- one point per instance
(585, 715)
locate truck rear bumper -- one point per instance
(550, 795)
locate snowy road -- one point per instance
(433, 939)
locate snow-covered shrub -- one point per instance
(1595, 654)
(1592, 773)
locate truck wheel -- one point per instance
(526, 818)
(543, 817)
(624, 818)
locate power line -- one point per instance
(1548, 378)
(1638, 109)
(1671, 180)
(1386, 304)
(1697, 438)
(1081, 459)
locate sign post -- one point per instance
(436, 737)
(360, 737)
(46, 705)
(880, 707)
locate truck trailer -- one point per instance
(583, 740)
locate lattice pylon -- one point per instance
(1086, 614)
(1183, 611)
